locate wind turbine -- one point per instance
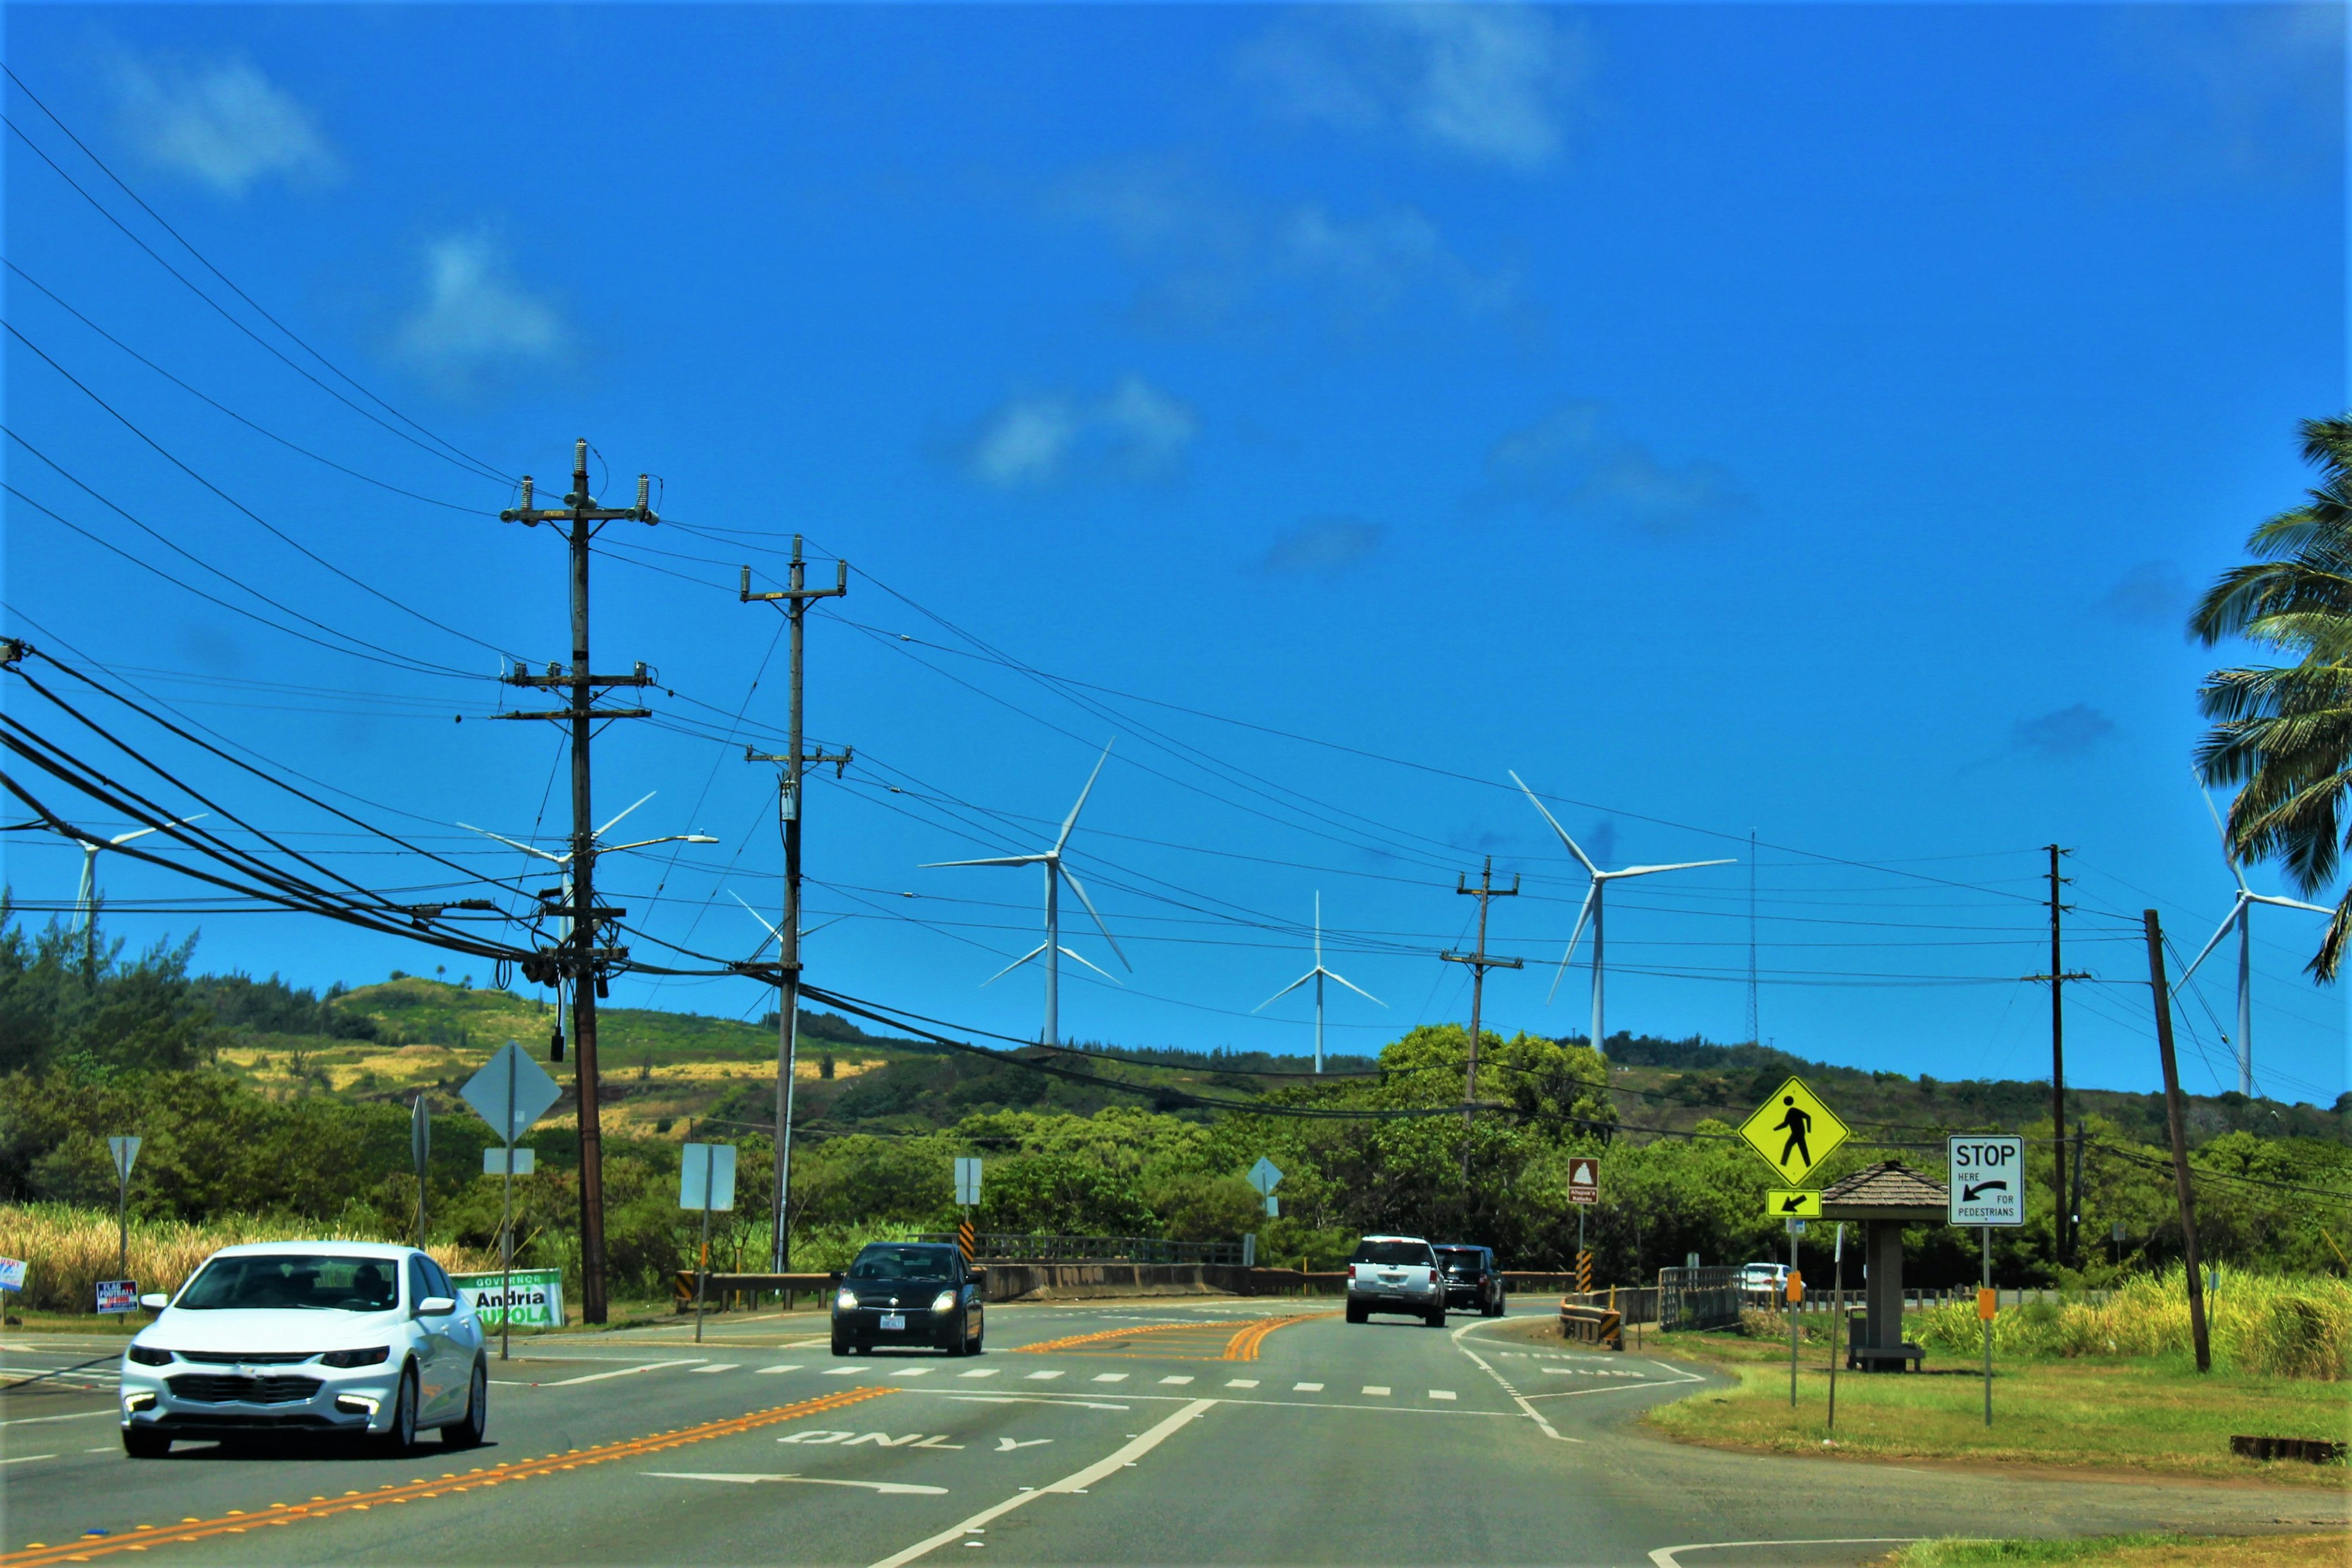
(773, 933)
(85, 895)
(1056, 873)
(1318, 974)
(565, 859)
(2237, 917)
(1593, 905)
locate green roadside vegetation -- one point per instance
(2322, 1551)
(2147, 1412)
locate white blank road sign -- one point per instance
(1988, 1178)
(967, 1180)
(707, 1171)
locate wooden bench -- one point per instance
(1869, 1358)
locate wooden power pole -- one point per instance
(2176, 1124)
(2061, 1219)
(582, 958)
(1479, 961)
(795, 599)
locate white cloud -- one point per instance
(223, 122)
(1135, 432)
(1211, 259)
(1574, 460)
(474, 321)
(1488, 83)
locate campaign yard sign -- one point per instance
(117, 1295)
(12, 1274)
(536, 1299)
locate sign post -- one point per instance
(1988, 1189)
(126, 1154)
(420, 1146)
(1583, 1191)
(1795, 1299)
(705, 1180)
(510, 1092)
(1837, 1319)
(1264, 1176)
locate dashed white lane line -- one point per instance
(1306, 1388)
(1241, 1383)
(1176, 1382)
(29, 1459)
(720, 1366)
(1043, 1376)
(1077, 1482)
(624, 1372)
(914, 1371)
(980, 1372)
(845, 1371)
(888, 1489)
(1377, 1390)
(1440, 1394)
(1111, 1377)
(788, 1366)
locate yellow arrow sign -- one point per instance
(1793, 1131)
(1782, 1204)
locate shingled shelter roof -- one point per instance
(1888, 1190)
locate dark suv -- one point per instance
(905, 1293)
(1472, 1281)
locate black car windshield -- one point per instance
(294, 1281)
(1393, 1252)
(904, 1262)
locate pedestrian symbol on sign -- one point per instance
(1793, 1131)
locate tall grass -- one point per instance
(2265, 1325)
(67, 1250)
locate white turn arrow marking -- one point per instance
(1007, 1445)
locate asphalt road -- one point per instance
(1137, 1432)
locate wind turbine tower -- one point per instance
(1318, 974)
(1594, 904)
(1056, 873)
(2237, 917)
(85, 894)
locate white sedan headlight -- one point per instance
(846, 1302)
(945, 1301)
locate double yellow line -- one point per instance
(238, 1522)
(1243, 1346)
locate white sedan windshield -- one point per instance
(290, 1281)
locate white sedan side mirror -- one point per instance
(155, 1303)
(435, 1306)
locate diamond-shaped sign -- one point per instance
(510, 1092)
(1793, 1130)
(1263, 1175)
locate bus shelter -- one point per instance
(1883, 1198)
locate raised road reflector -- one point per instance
(1583, 1180)
(1783, 1202)
(1987, 1172)
(1793, 1131)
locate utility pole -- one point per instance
(1754, 1026)
(1479, 963)
(2175, 1125)
(579, 956)
(2062, 1217)
(795, 599)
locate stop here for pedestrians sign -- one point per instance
(1987, 1174)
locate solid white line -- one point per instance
(36, 1420)
(29, 1459)
(1663, 1556)
(1554, 1433)
(1610, 1388)
(624, 1372)
(893, 1489)
(1077, 1481)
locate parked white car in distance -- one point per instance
(1765, 1282)
(318, 1337)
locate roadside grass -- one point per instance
(2154, 1414)
(2131, 1552)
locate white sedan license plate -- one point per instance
(893, 1321)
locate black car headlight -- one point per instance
(846, 1302)
(147, 1356)
(945, 1301)
(369, 1357)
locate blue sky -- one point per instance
(1811, 420)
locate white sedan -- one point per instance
(308, 1336)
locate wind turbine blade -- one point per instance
(526, 849)
(1573, 848)
(2288, 903)
(624, 811)
(1286, 991)
(1081, 892)
(176, 822)
(1575, 936)
(1072, 820)
(127, 837)
(811, 930)
(2223, 833)
(1679, 866)
(2237, 913)
(772, 932)
(1356, 989)
(995, 860)
(1015, 964)
(1098, 968)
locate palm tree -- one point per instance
(2284, 732)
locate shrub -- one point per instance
(2261, 1325)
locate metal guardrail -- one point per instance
(1698, 1298)
(1013, 1247)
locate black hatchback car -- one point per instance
(1472, 1279)
(907, 1293)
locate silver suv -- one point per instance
(1396, 1274)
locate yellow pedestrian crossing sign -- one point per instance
(1793, 1130)
(1782, 1204)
